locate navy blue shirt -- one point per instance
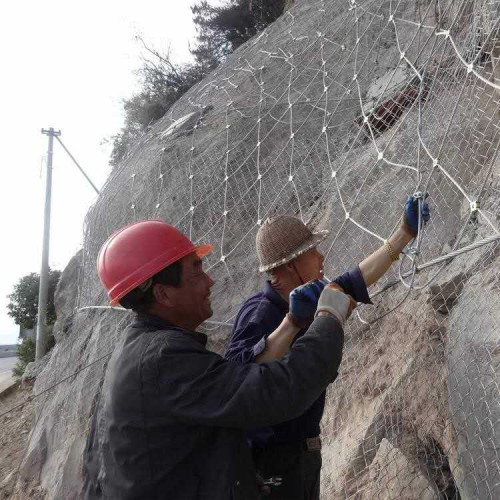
(259, 316)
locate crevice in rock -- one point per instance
(432, 456)
(366, 453)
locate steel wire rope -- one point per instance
(35, 396)
(414, 266)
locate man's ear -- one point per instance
(161, 295)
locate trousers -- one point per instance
(298, 467)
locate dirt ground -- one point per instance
(14, 431)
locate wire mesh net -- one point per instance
(335, 114)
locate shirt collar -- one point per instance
(273, 296)
(163, 324)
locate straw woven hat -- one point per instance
(282, 239)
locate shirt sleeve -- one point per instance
(354, 284)
(246, 343)
(199, 387)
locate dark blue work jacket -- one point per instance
(173, 416)
(259, 316)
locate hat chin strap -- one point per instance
(302, 282)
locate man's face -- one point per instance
(309, 265)
(191, 301)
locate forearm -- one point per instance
(289, 386)
(376, 265)
(278, 342)
(226, 394)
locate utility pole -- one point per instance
(41, 332)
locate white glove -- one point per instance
(334, 302)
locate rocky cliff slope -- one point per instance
(335, 113)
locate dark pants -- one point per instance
(298, 467)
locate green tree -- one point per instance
(162, 84)
(25, 351)
(23, 308)
(223, 28)
(23, 301)
(220, 30)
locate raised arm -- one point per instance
(212, 391)
(376, 265)
(250, 342)
(303, 302)
(279, 341)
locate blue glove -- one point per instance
(304, 301)
(411, 214)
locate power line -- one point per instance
(77, 165)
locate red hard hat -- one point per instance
(136, 252)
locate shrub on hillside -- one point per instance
(220, 30)
(25, 354)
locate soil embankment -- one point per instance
(14, 435)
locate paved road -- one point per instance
(6, 365)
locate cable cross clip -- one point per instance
(412, 251)
(475, 206)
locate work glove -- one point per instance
(335, 302)
(410, 218)
(304, 300)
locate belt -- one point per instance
(312, 444)
(308, 444)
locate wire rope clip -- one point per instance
(474, 209)
(418, 195)
(412, 251)
(475, 206)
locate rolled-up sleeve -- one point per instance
(353, 283)
(246, 343)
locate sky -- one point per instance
(67, 65)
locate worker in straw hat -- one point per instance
(173, 416)
(287, 251)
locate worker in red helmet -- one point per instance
(173, 416)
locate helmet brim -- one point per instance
(309, 244)
(203, 250)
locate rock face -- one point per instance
(335, 113)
